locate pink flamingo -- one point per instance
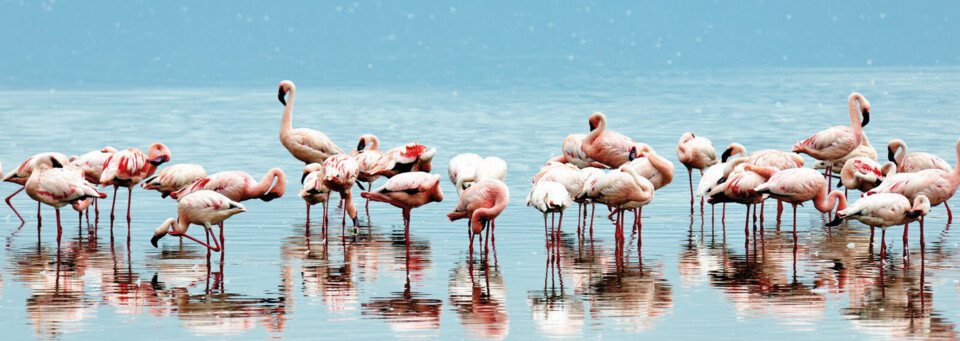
(481, 203)
(837, 142)
(368, 157)
(22, 174)
(549, 197)
(863, 150)
(574, 154)
(571, 178)
(92, 165)
(777, 159)
(313, 191)
(51, 184)
(607, 147)
(203, 207)
(913, 162)
(622, 189)
(239, 186)
(796, 186)
(412, 157)
(174, 178)
(712, 177)
(738, 188)
(463, 169)
(695, 153)
(408, 191)
(127, 168)
(863, 174)
(306, 145)
(648, 164)
(884, 210)
(936, 184)
(339, 175)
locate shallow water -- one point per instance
(693, 277)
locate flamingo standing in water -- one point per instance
(339, 174)
(645, 162)
(481, 203)
(127, 168)
(549, 197)
(313, 191)
(936, 184)
(607, 147)
(174, 178)
(368, 157)
(573, 153)
(777, 159)
(306, 145)
(738, 188)
(463, 169)
(837, 142)
(695, 152)
(51, 184)
(92, 165)
(884, 210)
(714, 174)
(796, 186)
(22, 174)
(203, 207)
(622, 189)
(864, 174)
(864, 150)
(408, 191)
(412, 157)
(913, 162)
(572, 178)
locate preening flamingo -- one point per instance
(863, 150)
(92, 165)
(51, 184)
(239, 186)
(714, 174)
(22, 174)
(368, 157)
(127, 168)
(695, 152)
(408, 191)
(204, 208)
(936, 184)
(884, 210)
(863, 174)
(777, 159)
(573, 153)
(313, 191)
(607, 147)
(648, 164)
(174, 178)
(491, 167)
(412, 157)
(306, 145)
(796, 186)
(572, 178)
(738, 188)
(913, 162)
(622, 189)
(463, 168)
(549, 197)
(837, 142)
(481, 203)
(339, 174)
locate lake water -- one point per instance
(281, 279)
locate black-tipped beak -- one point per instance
(890, 156)
(836, 221)
(154, 240)
(56, 164)
(304, 177)
(269, 196)
(280, 96)
(361, 185)
(866, 118)
(361, 145)
(591, 126)
(159, 160)
(913, 214)
(633, 154)
(839, 184)
(726, 155)
(164, 195)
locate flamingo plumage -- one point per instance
(174, 178)
(573, 153)
(549, 197)
(463, 169)
(738, 188)
(411, 157)
(127, 168)
(695, 152)
(408, 191)
(712, 177)
(797, 186)
(864, 150)
(884, 210)
(313, 191)
(306, 145)
(605, 146)
(23, 172)
(239, 186)
(913, 162)
(936, 184)
(481, 203)
(339, 175)
(864, 174)
(368, 157)
(204, 208)
(622, 189)
(52, 184)
(838, 141)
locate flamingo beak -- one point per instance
(159, 160)
(836, 221)
(591, 126)
(726, 155)
(361, 145)
(303, 178)
(280, 95)
(891, 156)
(154, 240)
(866, 117)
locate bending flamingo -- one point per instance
(306, 145)
(408, 191)
(549, 197)
(863, 174)
(622, 189)
(51, 184)
(368, 157)
(204, 208)
(607, 147)
(481, 203)
(796, 186)
(884, 210)
(913, 162)
(313, 191)
(412, 157)
(22, 174)
(239, 186)
(174, 178)
(339, 174)
(573, 153)
(837, 142)
(92, 166)
(127, 167)
(463, 169)
(695, 153)
(714, 174)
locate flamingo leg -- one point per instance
(949, 213)
(223, 244)
(308, 216)
(406, 225)
(883, 245)
(96, 211)
(794, 224)
(746, 224)
(39, 218)
(906, 227)
(593, 212)
(113, 207)
(129, 198)
(11, 205)
(921, 232)
(59, 229)
(690, 177)
(217, 248)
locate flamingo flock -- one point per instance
(597, 166)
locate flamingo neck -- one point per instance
(663, 166)
(601, 126)
(825, 203)
(286, 124)
(852, 105)
(261, 187)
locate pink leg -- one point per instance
(906, 227)
(39, 218)
(308, 216)
(113, 207)
(59, 229)
(794, 224)
(921, 232)
(690, 176)
(11, 205)
(746, 225)
(949, 214)
(129, 198)
(217, 248)
(96, 210)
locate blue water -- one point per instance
(494, 78)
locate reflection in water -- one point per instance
(407, 310)
(478, 295)
(552, 309)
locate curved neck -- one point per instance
(824, 203)
(900, 152)
(645, 185)
(286, 124)
(955, 169)
(261, 187)
(663, 166)
(601, 126)
(855, 113)
(489, 213)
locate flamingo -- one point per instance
(52, 184)
(313, 191)
(837, 142)
(412, 157)
(481, 203)
(127, 168)
(884, 210)
(777, 159)
(463, 168)
(863, 174)
(174, 178)
(572, 179)
(549, 197)
(622, 189)
(936, 184)
(491, 168)
(863, 150)
(339, 174)
(913, 162)
(714, 174)
(203, 207)
(239, 186)
(306, 145)
(92, 165)
(408, 191)
(695, 153)
(607, 147)
(22, 174)
(368, 156)
(796, 186)
(738, 188)
(648, 164)
(573, 153)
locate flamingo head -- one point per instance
(368, 141)
(595, 120)
(686, 137)
(734, 148)
(285, 86)
(158, 154)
